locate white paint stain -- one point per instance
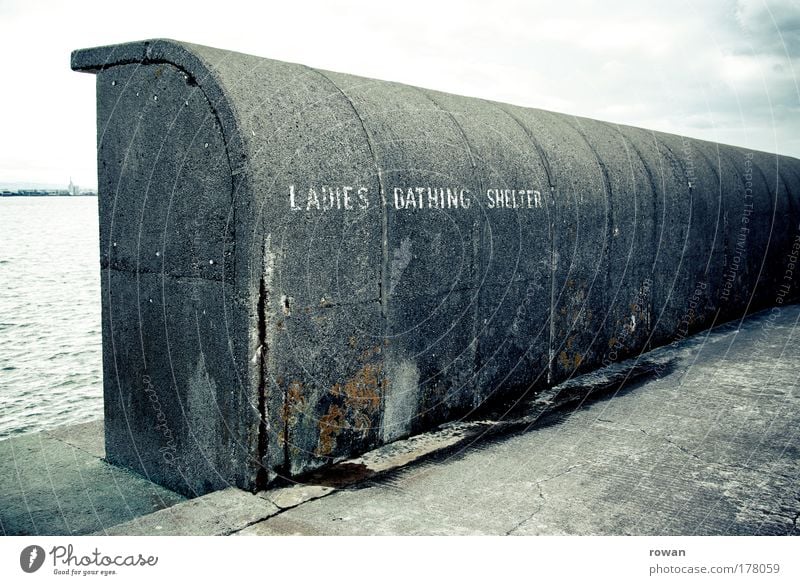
(401, 258)
(202, 408)
(400, 401)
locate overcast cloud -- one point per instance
(722, 70)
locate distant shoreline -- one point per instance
(40, 194)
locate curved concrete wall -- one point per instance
(299, 265)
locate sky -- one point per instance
(722, 70)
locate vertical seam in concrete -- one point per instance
(552, 235)
(714, 169)
(789, 201)
(771, 229)
(785, 182)
(718, 174)
(685, 179)
(717, 170)
(663, 174)
(606, 181)
(384, 219)
(657, 237)
(539, 150)
(262, 477)
(477, 238)
(609, 222)
(427, 94)
(629, 143)
(383, 284)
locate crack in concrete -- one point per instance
(528, 518)
(74, 446)
(284, 507)
(542, 497)
(789, 516)
(676, 445)
(279, 510)
(718, 464)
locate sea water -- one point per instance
(50, 346)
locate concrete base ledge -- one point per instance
(217, 513)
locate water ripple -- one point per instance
(50, 344)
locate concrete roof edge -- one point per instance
(186, 57)
(94, 59)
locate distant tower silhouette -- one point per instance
(73, 189)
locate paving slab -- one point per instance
(216, 514)
(56, 483)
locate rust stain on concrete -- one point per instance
(330, 425)
(362, 391)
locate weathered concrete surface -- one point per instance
(707, 444)
(699, 437)
(273, 301)
(56, 482)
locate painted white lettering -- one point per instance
(328, 199)
(452, 199)
(312, 200)
(292, 205)
(349, 198)
(363, 200)
(433, 198)
(410, 199)
(463, 198)
(346, 197)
